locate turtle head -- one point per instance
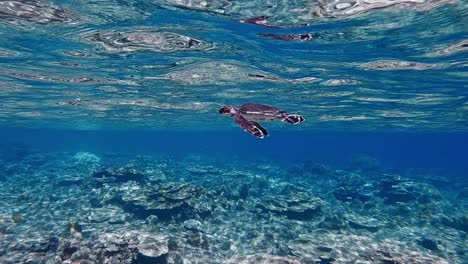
(228, 110)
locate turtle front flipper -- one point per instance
(265, 132)
(249, 126)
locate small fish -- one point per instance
(304, 37)
(263, 21)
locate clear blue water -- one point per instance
(112, 149)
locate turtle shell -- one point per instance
(260, 112)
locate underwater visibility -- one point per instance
(230, 131)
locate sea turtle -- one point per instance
(249, 114)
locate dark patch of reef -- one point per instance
(80, 208)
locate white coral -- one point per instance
(86, 158)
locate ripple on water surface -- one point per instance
(146, 40)
(148, 60)
(297, 12)
(36, 11)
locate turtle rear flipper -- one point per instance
(293, 119)
(249, 126)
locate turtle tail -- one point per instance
(293, 119)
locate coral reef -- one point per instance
(166, 200)
(84, 208)
(296, 206)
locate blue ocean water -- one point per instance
(112, 149)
